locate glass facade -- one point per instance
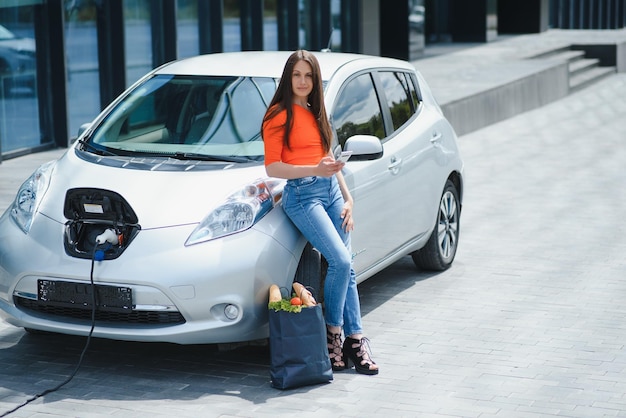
(187, 28)
(416, 28)
(19, 99)
(138, 39)
(270, 26)
(62, 61)
(81, 47)
(232, 26)
(335, 17)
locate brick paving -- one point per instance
(529, 321)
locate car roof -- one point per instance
(270, 63)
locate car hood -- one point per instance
(158, 198)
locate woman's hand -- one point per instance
(328, 166)
(346, 214)
(347, 222)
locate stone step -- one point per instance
(582, 71)
(590, 76)
(582, 65)
(563, 54)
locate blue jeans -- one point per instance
(314, 205)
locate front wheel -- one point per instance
(439, 251)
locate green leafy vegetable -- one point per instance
(284, 305)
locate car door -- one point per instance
(386, 190)
(411, 155)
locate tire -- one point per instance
(438, 253)
(311, 271)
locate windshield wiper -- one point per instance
(88, 146)
(204, 157)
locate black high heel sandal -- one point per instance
(357, 352)
(335, 352)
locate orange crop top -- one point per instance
(305, 140)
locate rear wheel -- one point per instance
(439, 251)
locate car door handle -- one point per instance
(394, 167)
(436, 137)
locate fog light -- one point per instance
(231, 312)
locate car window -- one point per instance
(357, 110)
(412, 82)
(241, 122)
(398, 97)
(182, 114)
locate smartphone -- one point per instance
(344, 156)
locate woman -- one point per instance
(297, 137)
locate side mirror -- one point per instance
(81, 129)
(364, 147)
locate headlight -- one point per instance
(29, 196)
(239, 212)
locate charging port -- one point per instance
(96, 213)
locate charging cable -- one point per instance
(104, 241)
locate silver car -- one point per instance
(163, 206)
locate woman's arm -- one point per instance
(325, 168)
(346, 213)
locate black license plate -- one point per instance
(79, 295)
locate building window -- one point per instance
(270, 26)
(19, 103)
(81, 48)
(138, 42)
(187, 28)
(232, 26)
(335, 17)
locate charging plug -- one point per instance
(108, 236)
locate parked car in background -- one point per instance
(17, 62)
(164, 207)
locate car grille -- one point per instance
(132, 317)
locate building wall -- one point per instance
(370, 35)
(75, 56)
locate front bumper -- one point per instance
(196, 282)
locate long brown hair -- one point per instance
(283, 98)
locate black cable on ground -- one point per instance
(82, 354)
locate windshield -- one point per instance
(188, 115)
